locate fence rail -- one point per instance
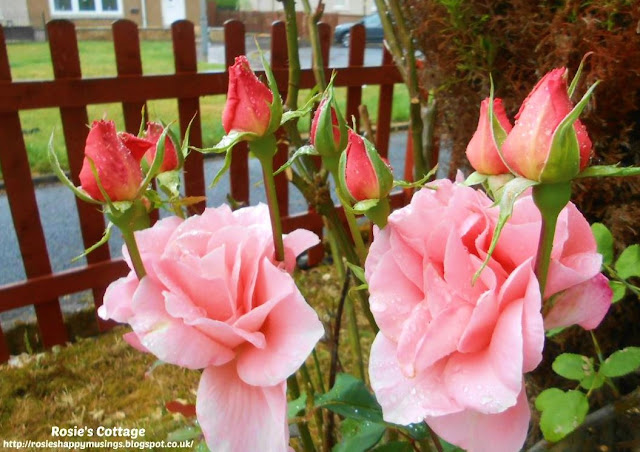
(71, 94)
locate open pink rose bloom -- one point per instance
(214, 299)
(454, 353)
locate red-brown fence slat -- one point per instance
(65, 59)
(234, 46)
(356, 58)
(26, 217)
(184, 54)
(385, 105)
(279, 60)
(126, 43)
(28, 95)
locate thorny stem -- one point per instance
(314, 38)
(291, 27)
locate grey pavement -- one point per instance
(62, 233)
(338, 55)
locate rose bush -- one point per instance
(454, 353)
(215, 299)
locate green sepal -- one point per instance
(175, 139)
(576, 78)
(264, 147)
(563, 162)
(296, 114)
(276, 104)
(158, 159)
(323, 140)
(498, 134)
(382, 170)
(379, 213)
(227, 142)
(106, 235)
(363, 206)
(609, 171)
(96, 176)
(494, 185)
(223, 169)
(57, 170)
(510, 193)
(475, 178)
(129, 215)
(304, 150)
(419, 183)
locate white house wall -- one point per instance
(346, 7)
(14, 13)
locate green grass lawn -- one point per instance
(32, 61)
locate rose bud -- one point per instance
(537, 148)
(117, 166)
(248, 100)
(363, 173)
(481, 150)
(154, 130)
(327, 130)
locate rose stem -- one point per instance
(305, 434)
(274, 209)
(550, 200)
(134, 253)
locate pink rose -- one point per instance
(118, 166)
(451, 352)
(527, 149)
(215, 299)
(248, 100)
(481, 150)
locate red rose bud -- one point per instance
(481, 150)
(154, 130)
(248, 100)
(117, 167)
(325, 133)
(533, 149)
(363, 173)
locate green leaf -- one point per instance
(169, 182)
(572, 366)
(628, 264)
(304, 150)
(350, 398)
(185, 433)
(619, 290)
(357, 271)
(416, 431)
(394, 446)
(562, 412)
(593, 381)
(202, 447)
(510, 193)
(604, 239)
(289, 115)
(294, 407)
(359, 436)
(609, 171)
(621, 363)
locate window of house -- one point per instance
(86, 7)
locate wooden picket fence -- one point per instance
(71, 93)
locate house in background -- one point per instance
(92, 17)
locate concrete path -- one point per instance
(60, 221)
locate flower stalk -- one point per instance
(550, 199)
